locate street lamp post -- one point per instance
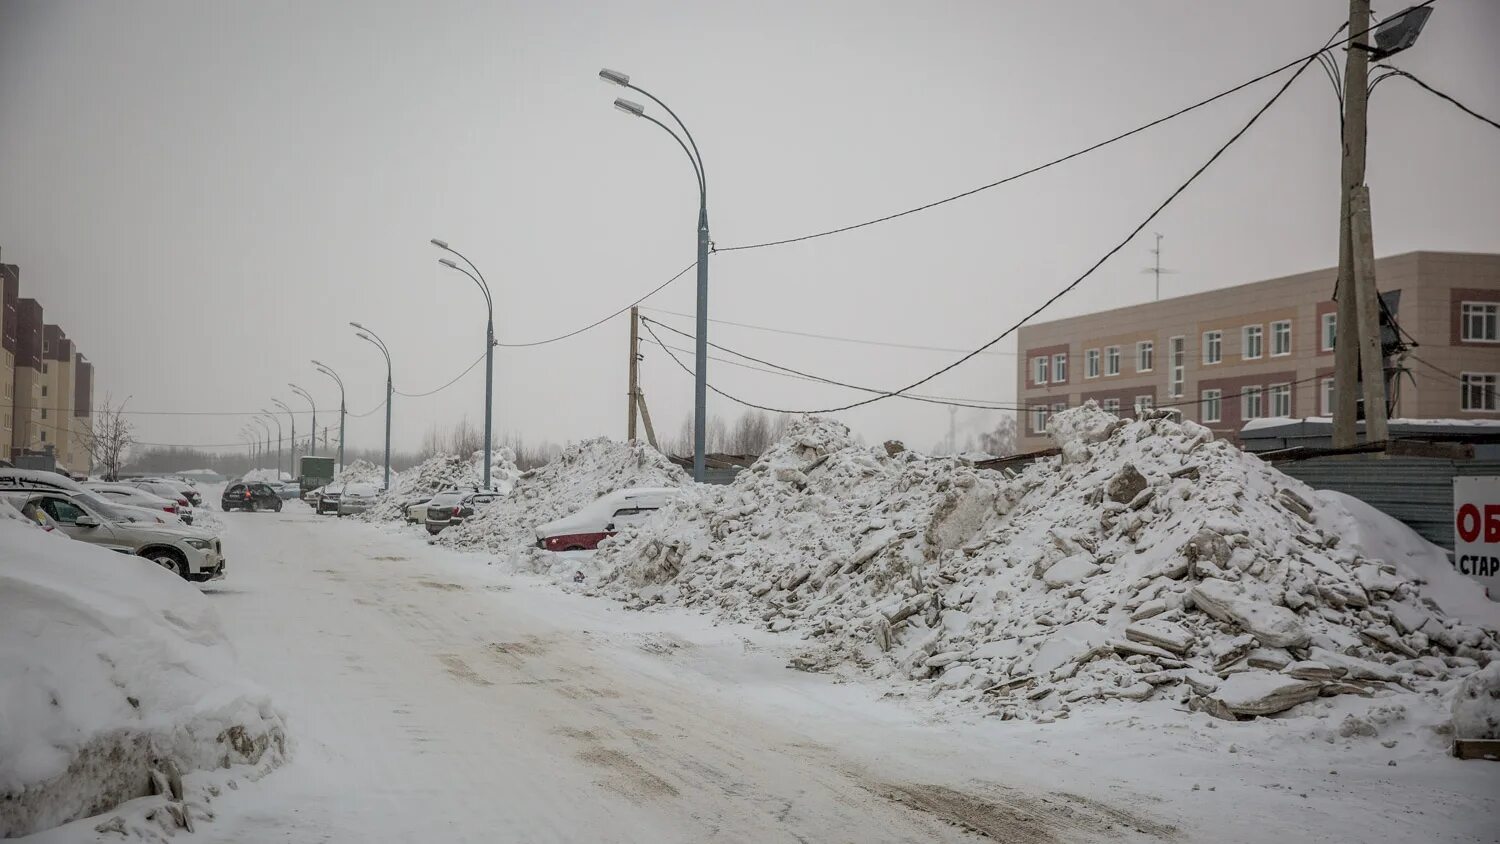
(489, 344)
(291, 447)
(700, 369)
(327, 370)
(312, 443)
(274, 418)
(266, 429)
(374, 339)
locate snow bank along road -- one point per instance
(431, 698)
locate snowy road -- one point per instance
(432, 698)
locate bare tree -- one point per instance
(108, 437)
(1000, 441)
(465, 439)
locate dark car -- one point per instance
(451, 507)
(252, 496)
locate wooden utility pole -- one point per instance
(1346, 353)
(1371, 355)
(646, 418)
(633, 397)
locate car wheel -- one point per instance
(169, 560)
(277, 508)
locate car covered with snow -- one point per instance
(191, 553)
(326, 498)
(585, 529)
(453, 506)
(125, 495)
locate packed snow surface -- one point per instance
(579, 475)
(1147, 561)
(116, 675)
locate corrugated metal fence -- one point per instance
(1415, 490)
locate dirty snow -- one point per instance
(117, 677)
(1147, 562)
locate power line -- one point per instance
(596, 323)
(1396, 71)
(451, 382)
(1304, 60)
(1077, 281)
(794, 333)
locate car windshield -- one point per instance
(447, 499)
(103, 508)
(360, 489)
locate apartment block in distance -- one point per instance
(1265, 349)
(46, 384)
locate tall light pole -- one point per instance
(374, 339)
(291, 451)
(700, 369)
(312, 446)
(489, 344)
(266, 429)
(274, 418)
(328, 370)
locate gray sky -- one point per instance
(204, 194)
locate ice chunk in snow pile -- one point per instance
(1263, 692)
(1476, 705)
(112, 667)
(1030, 591)
(579, 475)
(437, 473)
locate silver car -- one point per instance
(192, 553)
(357, 498)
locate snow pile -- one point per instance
(1148, 561)
(503, 470)
(118, 679)
(579, 475)
(1476, 705)
(361, 471)
(432, 475)
(261, 476)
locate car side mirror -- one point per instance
(86, 521)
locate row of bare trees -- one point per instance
(750, 434)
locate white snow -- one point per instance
(113, 668)
(1476, 705)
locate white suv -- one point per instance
(192, 553)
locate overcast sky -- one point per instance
(204, 194)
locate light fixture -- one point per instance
(614, 76)
(629, 107)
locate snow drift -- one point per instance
(1148, 561)
(117, 675)
(580, 474)
(360, 471)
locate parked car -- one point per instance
(357, 498)
(585, 529)
(253, 496)
(168, 491)
(453, 506)
(191, 553)
(286, 490)
(187, 489)
(133, 496)
(415, 509)
(328, 498)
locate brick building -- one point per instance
(46, 385)
(1265, 349)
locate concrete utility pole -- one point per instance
(1357, 348)
(646, 419)
(635, 373)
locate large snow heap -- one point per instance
(116, 676)
(360, 471)
(1147, 561)
(579, 475)
(432, 475)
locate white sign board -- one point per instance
(1476, 530)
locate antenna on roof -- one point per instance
(1157, 270)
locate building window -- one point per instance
(1143, 404)
(1252, 342)
(1213, 347)
(1281, 338)
(1481, 322)
(44, 436)
(1328, 332)
(1177, 349)
(46, 348)
(1327, 385)
(1281, 399)
(1478, 391)
(1212, 403)
(44, 367)
(1059, 407)
(1145, 356)
(7, 420)
(44, 391)
(1091, 363)
(1251, 406)
(1039, 420)
(1060, 368)
(44, 413)
(1112, 406)
(1039, 370)
(1112, 360)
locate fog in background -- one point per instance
(204, 194)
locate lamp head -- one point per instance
(629, 107)
(614, 76)
(448, 262)
(357, 325)
(441, 244)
